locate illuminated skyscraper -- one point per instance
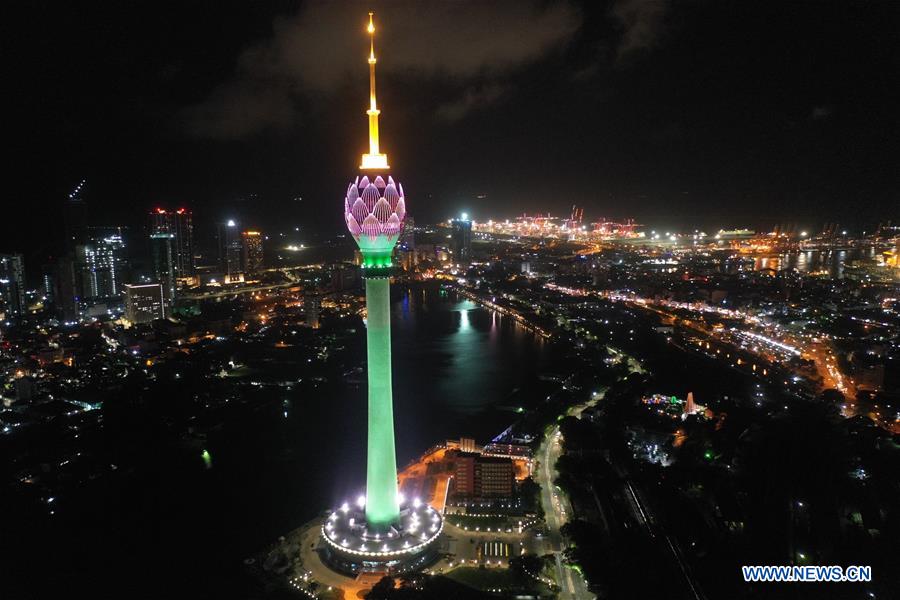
(144, 303)
(406, 248)
(381, 531)
(101, 263)
(12, 285)
(312, 305)
(252, 251)
(461, 239)
(230, 249)
(172, 238)
(162, 244)
(408, 237)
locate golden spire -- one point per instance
(373, 159)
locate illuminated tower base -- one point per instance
(351, 547)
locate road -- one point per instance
(557, 509)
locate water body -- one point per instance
(189, 516)
(808, 261)
(454, 363)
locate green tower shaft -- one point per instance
(382, 504)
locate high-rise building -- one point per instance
(345, 277)
(406, 248)
(12, 285)
(382, 531)
(145, 303)
(162, 246)
(230, 248)
(408, 235)
(75, 217)
(311, 306)
(100, 264)
(63, 283)
(48, 284)
(461, 239)
(252, 251)
(66, 296)
(172, 237)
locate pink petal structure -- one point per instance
(374, 208)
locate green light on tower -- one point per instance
(382, 505)
(374, 211)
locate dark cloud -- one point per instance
(237, 110)
(641, 21)
(323, 45)
(821, 112)
(472, 99)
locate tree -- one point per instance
(383, 590)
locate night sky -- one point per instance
(706, 113)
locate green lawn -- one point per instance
(484, 578)
(490, 579)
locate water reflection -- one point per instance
(464, 325)
(830, 262)
(462, 356)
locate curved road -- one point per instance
(557, 509)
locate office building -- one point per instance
(144, 303)
(408, 235)
(12, 285)
(100, 264)
(461, 240)
(162, 246)
(311, 306)
(66, 297)
(172, 239)
(494, 477)
(252, 251)
(477, 476)
(230, 246)
(406, 247)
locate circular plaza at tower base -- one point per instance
(351, 547)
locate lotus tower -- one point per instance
(381, 531)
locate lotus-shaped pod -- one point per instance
(374, 211)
